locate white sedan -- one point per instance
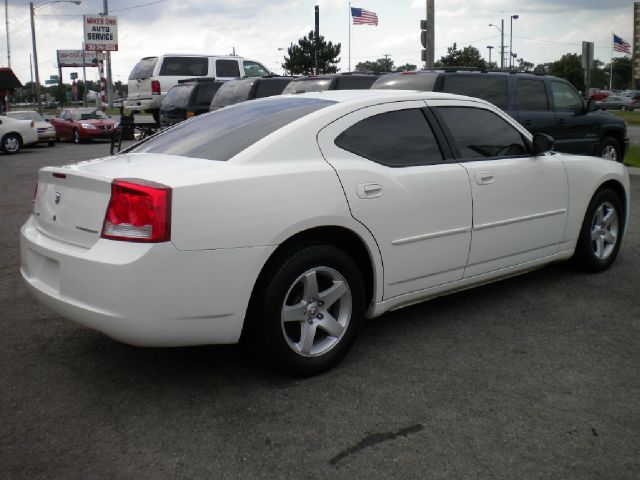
(288, 220)
(16, 133)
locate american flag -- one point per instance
(619, 45)
(363, 17)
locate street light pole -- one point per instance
(501, 30)
(33, 43)
(490, 47)
(513, 17)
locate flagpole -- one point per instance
(349, 20)
(611, 64)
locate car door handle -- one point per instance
(369, 190)
(484, 178)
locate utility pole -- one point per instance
(108, 59)
(35, 58)
(490, 47)
(502, 43)
(315, 42)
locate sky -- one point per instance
(257, 29)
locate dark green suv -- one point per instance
(541, 103)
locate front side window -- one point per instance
(479, 133)
(401, 138)
(532, 95)
(224, 133)
(254, 69)
(566, 98)
(184, 66)
(227, 68)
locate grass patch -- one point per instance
(633, 118)
(632, 158)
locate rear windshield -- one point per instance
(184, 66)
(301, 86)
(407, 81)
(178, 96)
(232, 92)
(492, 88)
(224, 133)
(143, 69)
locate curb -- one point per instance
(633, 170)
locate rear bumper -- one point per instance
(142, 104)
(143, 294)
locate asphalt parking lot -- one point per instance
(536, 377)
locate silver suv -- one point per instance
(153, 77)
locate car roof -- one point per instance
(350, 96)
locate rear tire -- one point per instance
(11, 143)
(308, 310)
(601, 233)
(610, 149)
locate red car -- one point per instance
(81, 124)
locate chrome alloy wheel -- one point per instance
(11, 144)
(610, 153)
(316, 311)
(604, 230)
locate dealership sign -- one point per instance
(73, 58)
(100, 33)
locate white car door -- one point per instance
(519, 200)
(416, 205)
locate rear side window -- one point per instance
(227, 68)
(492, 88)
(268, 87)
(402, 138)
(532, 95)
(178, 96)
(301, 86)
(254, 69)
(478, 133)
(184, 66)
(350, 82)
(407, 81)
(224, 133)
(232, 92)
(143, 69)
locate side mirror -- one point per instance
(592, 106)
(542, 143)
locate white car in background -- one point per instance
(14, 134)
(46, 131)
(291, 218)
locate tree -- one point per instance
(621, 72)
(467, 57)
(301, 58)
(524, 66)
(569, 67)
(379, 66)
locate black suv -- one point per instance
(333, 81)
(250, 88)
(543, 104)
(188, 98)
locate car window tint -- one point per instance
(301, 86)
(532, 95)
(566, 98)
(232, 92)
(143, 69)
(407, 81)
(268, 87)
(479, 133)
(184, 66)
(354, 82)
(227, 68)
(492, 88)
(178, 96)
(254, 69)
(204, 93)
(397, 139)
(224, 133)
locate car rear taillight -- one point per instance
(138, 211)
(155, 87)
(190, 114)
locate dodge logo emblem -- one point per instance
(58, 197)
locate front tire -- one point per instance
(76, 136)
(610, 149)
(309, 310)
(623, 107)
(601, 233)
(11, 143)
